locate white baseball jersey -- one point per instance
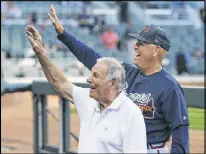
(120, 128)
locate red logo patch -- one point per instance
(146, 28)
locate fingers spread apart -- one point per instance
(31, 40)
(29, 33)
(52, 9)
(52, 14)
(31, 29)
(51, 18)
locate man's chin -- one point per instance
(136, 63)
(91, 95)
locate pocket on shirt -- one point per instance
(110, 134)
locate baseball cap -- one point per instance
(154, 34)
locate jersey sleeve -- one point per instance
(174, 109)
(84, 54)
(83, 103)
(135, 137)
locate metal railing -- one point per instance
(42, 88)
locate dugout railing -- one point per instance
(41, 89)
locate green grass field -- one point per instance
(73, 111)
(196, 117)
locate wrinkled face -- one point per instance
(144, 54)
(99, 83)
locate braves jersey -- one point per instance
(159, 95)
(161, 100)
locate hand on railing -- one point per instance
(55, 21)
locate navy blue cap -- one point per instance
(154, 34)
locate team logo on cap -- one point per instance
(146, 28)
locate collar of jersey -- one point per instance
(115, 104)
(156, 73)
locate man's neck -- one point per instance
(152, 70)
(105, 104)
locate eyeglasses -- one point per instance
(142, 43)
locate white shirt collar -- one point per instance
(115, 104)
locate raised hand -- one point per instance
(55, 21)
(34, 38)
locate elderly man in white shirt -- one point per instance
(110, 121)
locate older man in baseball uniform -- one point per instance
(109, 121)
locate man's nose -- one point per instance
(135, 46)
(89, 80)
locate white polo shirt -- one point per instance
(120, 128)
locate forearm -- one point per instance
(54, 76)
(180, 140)
(84, 54)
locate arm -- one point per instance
(83, 53)
(54, 76)
(180, 140)
(175, 111)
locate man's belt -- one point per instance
(155, 146)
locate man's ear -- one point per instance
(113, 83)
(156, 51)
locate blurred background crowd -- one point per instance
(102, 26)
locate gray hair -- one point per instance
(114, 71)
